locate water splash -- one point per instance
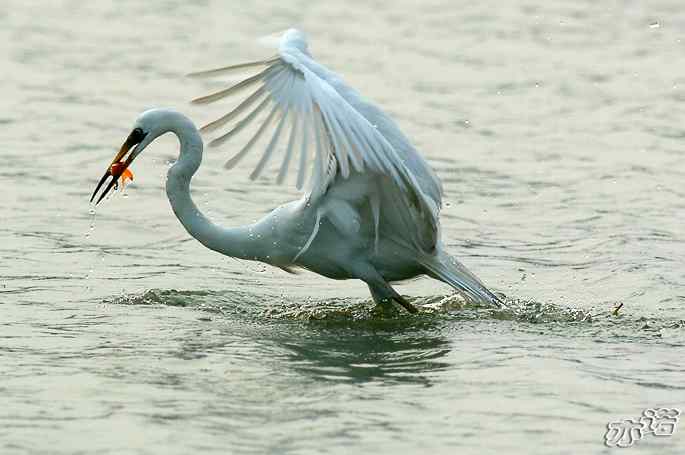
(346, 309)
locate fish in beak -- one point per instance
(119, 167)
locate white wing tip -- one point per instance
(294, 38)
(290, 37)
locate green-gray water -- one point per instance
(558, 130)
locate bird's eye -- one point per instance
(138, 134)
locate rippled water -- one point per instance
(557, 128)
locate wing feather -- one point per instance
(270, 148)
(216, 96)
(304, 151)
(221, 121)
(321, 141)
(337, 131)
(335, 137)
(276, 80)
(233, 68)
(285, 165)
(240, 155)
(241, 124)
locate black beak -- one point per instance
(115, 171)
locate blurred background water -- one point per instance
(557, 129)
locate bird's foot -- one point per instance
(405, 304)
(387, 308)
(384, 296)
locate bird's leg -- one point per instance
(383, 302)
(405, 303)
(383, 294)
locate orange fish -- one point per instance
(126, 175)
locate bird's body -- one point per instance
(370, 209)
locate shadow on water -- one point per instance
(367, 354)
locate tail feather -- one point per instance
(447, 269)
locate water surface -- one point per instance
(557, 129)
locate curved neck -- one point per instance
(237, 242)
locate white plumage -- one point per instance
(370, 205)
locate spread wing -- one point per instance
(324, 125)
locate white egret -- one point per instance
(370, 208)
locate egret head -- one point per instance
(148, 126)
